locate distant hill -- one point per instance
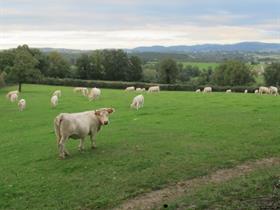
(238, 47)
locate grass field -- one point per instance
(201, 65)
(176, 136)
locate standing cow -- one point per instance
(207, 90)
(79, 126)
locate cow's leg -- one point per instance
(93, 140)
(61, 147)
(81, 145)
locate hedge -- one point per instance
(123, 85)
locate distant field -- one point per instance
(176, 136)
(201, 65)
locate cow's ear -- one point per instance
(97, 112)
(110, 110)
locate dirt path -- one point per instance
(160, 197)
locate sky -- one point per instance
(99, 24)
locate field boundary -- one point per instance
(158, 198)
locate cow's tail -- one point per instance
(57, 123)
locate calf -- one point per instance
(54, 101)
(153, 89)
(79, 126)
(94, 93)
(57, 93)
(132, 88)
(137, 102)
(246, 91)
(228, 91)
(13, 97)
(198, 91)
(21, 104)
(9, 94)
(207, 90)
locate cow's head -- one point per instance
(103, 115)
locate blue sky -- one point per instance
(92, 24)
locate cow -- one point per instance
(8, 95)
(256, 91)
(57, 93)
(228, 91)
(273, 90)
(77, 89)
(54, 101)
(132, 88)
(198, 91)
(21, 104)
(154, 89)
(94, 93)
(85, 92)
(137, 102)
(246, 91)
(207, 90)
(264, 90)
(79, 126)
(13, 97)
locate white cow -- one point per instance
(77, 89)
(8, 95)
(256, 91)
(198, 91)
(207, 90)
(85, 92)
(54, 101)
(228, 91)
(14, 97)
(57, 93)
(79, 126)
(246, 91)
(132, 88)
(264, 90)
(94, 93)
(21, 104)
(273, 90)
(138, 101)
(153, 89)
(140, 89)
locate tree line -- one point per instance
(24, 64)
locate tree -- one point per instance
(168, 70)
(135, 71)
(84, 67)
(58, 66)
(232, 73)
(24, 67)
(272, 74)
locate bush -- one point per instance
(123, 85)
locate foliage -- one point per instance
(168, 71)
(58, 66)
(232, 73)
(24, 66)
(272, 74)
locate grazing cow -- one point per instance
(273, 90)
(140, 89)
(79, 126)
(207, 90)
(21, 104)
(57, 93)
(256, 91)
(54, 101)
(85, 92)
(264, 90)
(198, 91)
(228, 91)
(132, 88)
(245, 91)
(94, 93)
(8, 96)
(137, 102)
(13, 97)
(77, 89)
(153, 89)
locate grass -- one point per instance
(176, 136)
(257, 190)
